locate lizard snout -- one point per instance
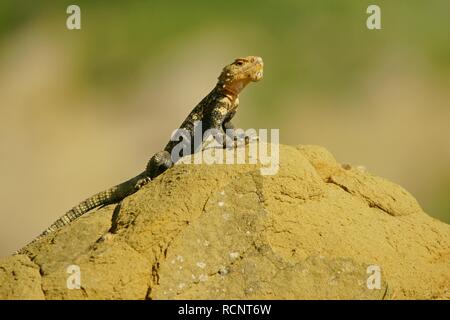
(259, 60)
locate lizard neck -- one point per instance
(231, 91)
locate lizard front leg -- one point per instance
(214, 120)
(229, 129)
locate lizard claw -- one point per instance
(253, 138)
(142, 182)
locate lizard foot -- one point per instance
(142, 182)
(240, 141)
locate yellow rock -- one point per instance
(226, 232)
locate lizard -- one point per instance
(215, 111)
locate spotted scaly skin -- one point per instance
(215, 111)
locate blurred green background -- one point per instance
(82, 110)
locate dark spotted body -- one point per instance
(215, 111)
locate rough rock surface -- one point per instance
(225, 231)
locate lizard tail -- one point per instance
(112, 195)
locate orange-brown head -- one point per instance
(237, 75)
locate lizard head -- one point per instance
(237, 75)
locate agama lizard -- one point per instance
(215, 111)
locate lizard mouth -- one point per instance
(258, 75)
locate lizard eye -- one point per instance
(239, 63)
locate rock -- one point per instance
(20, 279)
(315, 230)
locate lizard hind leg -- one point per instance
(159, 163)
